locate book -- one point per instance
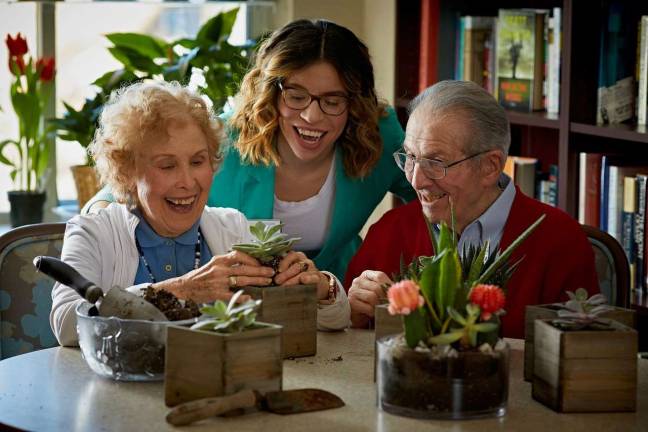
(628, 224)
(477, 32)
(642, 79)
(640, 231)
(553, 69)
(589, 188)
(522, 170)
(617, 174)
(520, 58)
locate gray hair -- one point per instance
(489, 125)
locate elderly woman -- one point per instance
(157, 148)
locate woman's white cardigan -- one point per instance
(101, 247)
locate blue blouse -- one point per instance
(168, 257)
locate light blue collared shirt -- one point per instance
(168, 257)
(490, 225)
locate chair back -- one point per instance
(612, 266)
(26, 294)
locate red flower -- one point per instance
(18, 46)
(45, 66)
(404, 297)
(489, 298)
(17, 65)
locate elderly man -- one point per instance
(454, 152)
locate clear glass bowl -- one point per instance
(433, 384)
(122, 349)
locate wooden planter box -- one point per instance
(585, 371)
(295, 309)
(203, 364)
(549, 311)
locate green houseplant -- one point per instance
(143, 57)
(227, 350)
(450, 362)
(28, 155)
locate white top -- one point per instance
(309, 219)
(101, 247)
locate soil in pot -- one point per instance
(169, 304)
(441, 382)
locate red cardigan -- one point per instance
(557, 256)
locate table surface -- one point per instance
(53, 389)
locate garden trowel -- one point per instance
(278, 402)
(117, 302)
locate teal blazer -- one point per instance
(250, 189)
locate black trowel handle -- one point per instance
(66, 275)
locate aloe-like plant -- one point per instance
(269, 244)
(228, 318)
(582, 313)
(146, 57)
(450, 284)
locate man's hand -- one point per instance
(366, 291)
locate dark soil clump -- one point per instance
(170, 305)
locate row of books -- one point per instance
(515, 56)
(526, 174)
(612, 196)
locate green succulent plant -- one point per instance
(228, 318)
(269, 244)
(583, 313)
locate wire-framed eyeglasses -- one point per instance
(433, 169)
(300, 99)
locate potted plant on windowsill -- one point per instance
(294, 307)
(584, 362)
(28, 156)
(145, 57)
(450, 362)
(226, 351)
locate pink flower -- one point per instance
(404, 297)
(489, 298)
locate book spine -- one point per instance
(582, 178)
(639, 228)
(605, 177)
(593, 189)
(615, 201)
(628, 216)
(553, 105)
(642, 99)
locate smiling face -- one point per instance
(471, 185)
(309, 135)
(173, 177)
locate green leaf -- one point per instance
(143, 44)
(456, 316)
(415, 327)
(485, 327)
(133, 60)
(446, 338)
(218, 28)
(478, 264)
(449, 280)
(3, 144)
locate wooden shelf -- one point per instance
(616, 131)
(538, 119)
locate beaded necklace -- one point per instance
(148, 267)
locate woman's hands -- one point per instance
(213, 280)
(295, 268)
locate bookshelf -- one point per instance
(425, 54)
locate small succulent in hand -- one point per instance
(228, 318)
(269, 246)
(580, 312)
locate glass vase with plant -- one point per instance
(28, 155)
(450, 362)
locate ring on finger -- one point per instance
(232, 281)
(303, 266)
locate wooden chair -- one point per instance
(25, 294)
(612, 266)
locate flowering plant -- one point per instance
(446, 298)
(30, 92)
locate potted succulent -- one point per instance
(584, 362)
(293, 307)
(28, 156)
(146, 57)
(624, 316)
(450, 362)
(228, 351)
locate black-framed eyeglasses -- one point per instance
(433, 169)
(300, 99)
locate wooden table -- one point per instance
(53, 389)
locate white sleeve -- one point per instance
(336, 316)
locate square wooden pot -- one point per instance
(203, 364)
(295, 309)
(587, 370)
(549, 311)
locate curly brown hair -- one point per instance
(138, 114)
(297, 45)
